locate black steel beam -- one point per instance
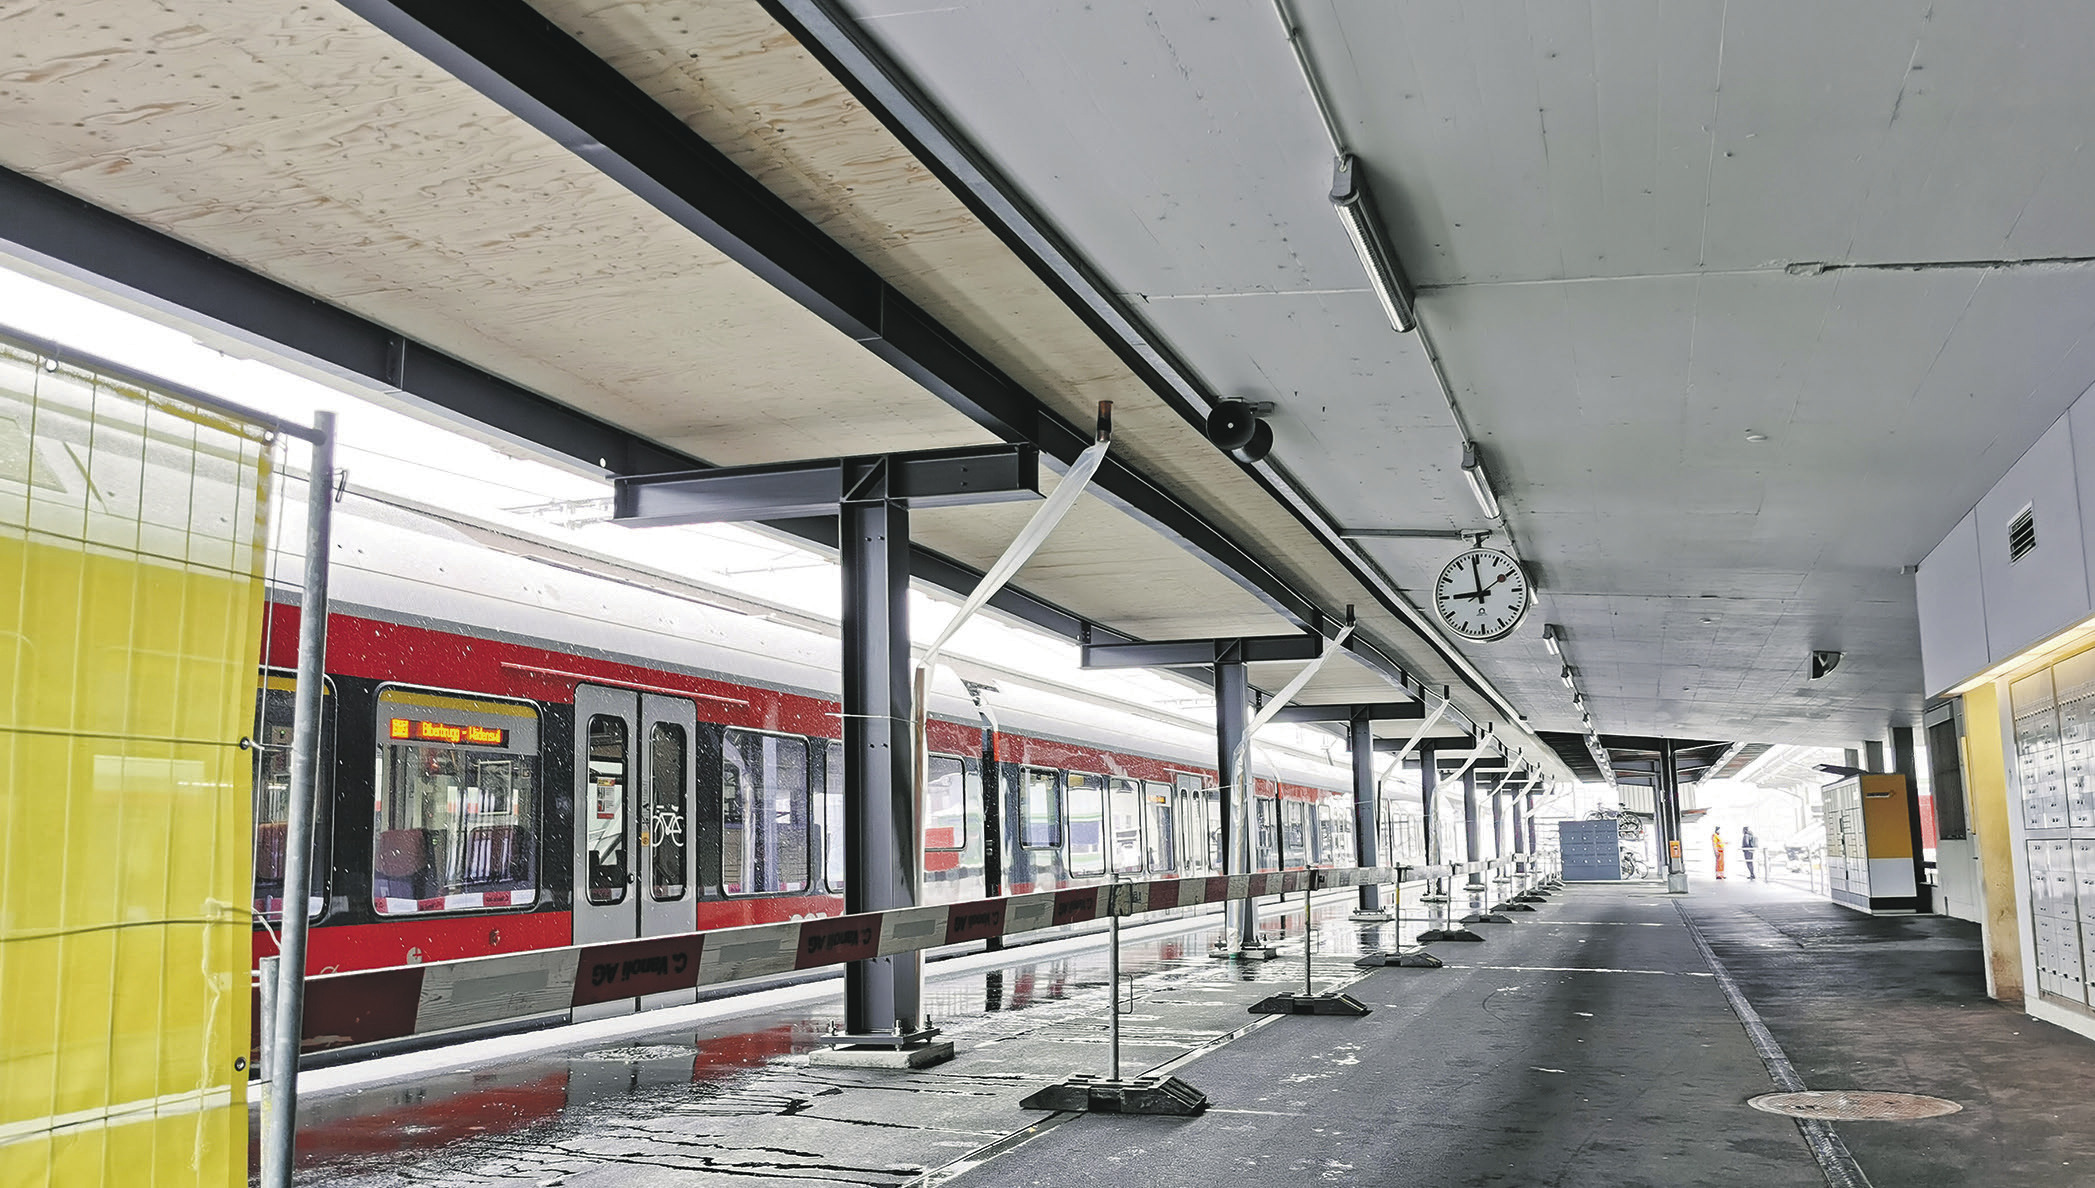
(1195, 653)
(827, 30)
(508, 52)
(1380, 711)
(525, 63)
(84, 240)
(1429, 747)
(788, 490)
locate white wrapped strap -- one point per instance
(1022, 547)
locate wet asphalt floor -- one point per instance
(734, 1100)
(1585, 1044)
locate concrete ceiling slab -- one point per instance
(309, 147)
(1642, 232)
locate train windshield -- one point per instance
(457, 807)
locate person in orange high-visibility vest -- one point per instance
(1716, 841)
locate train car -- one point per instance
(518, 754)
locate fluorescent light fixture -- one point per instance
(1566, 677)
(1586, 720)
(1578, 700)
(1479, 482)
(1357, 214)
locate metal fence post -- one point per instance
(280, 1107)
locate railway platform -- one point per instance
(1598, 1041)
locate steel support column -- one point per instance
(881, 994)
(1429, 812)
(1360, 736)
(1232, 714)
(1472, 829)
(1904, 762)
(1498, 819)
(1668, 812)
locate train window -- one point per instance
(272, 794)
(1211, 816)
(456, 805)
(946, 789)
(666, 826)
(1338, 837)
(604, 816)
(1087, 824)
(1268, 832)
(1192, 819)
(833, 817)
(1041, 808)
(1294, 818)
(1124, 814)
(1163, 848)
(763, 813)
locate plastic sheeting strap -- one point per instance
(1023, 546)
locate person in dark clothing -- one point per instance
(1749, 848)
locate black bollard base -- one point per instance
(1486, 918)
(1310, 1004)
(1408, 959)
(1432, 935)
(1086, 1094)
(1513, 905)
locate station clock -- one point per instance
(1482, 595)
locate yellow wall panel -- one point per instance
(131, 617)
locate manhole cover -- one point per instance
(1854, 1105)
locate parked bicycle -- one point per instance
(1629, 824)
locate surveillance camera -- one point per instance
(1823, 663)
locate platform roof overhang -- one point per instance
(1745, 304)
(437, 240)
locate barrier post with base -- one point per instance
(1309, 1002)
(1413, 958)
(1087, 1094)
(1446, 929)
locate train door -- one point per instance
(634, 816)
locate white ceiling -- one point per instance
(1617, 215)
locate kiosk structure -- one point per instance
(1870, 862)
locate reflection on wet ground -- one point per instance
(734, 1098)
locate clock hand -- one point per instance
(1475, 571)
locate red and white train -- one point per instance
(521, 755)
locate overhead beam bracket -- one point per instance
(790, 490)
(1380, 711)
(1198, 653)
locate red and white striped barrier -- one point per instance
(373, 1006)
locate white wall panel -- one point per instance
(2048, 588)
(1952, 609)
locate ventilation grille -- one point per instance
(2022, 535)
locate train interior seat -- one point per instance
(405, 865)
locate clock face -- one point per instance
(1482, 594)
